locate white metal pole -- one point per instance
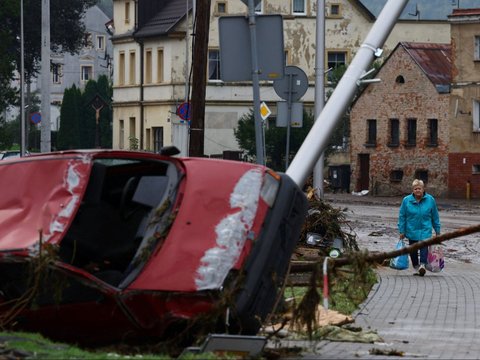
(45, 136)
(22, 83)
(319, 89)
(259, 137)
(319, 135)
(187, 55)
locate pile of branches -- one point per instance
(329, 223)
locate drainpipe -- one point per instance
(142, 109)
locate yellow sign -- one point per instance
(264, 111)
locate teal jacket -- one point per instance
(416, 219)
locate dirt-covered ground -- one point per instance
(374, 220)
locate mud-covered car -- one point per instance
(104, 245)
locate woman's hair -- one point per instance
(418, 182)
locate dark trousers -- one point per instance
(414, 254)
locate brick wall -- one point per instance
(415, 98)
(461, 169)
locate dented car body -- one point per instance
(105, 245)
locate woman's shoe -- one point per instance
(422, 270)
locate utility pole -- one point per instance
(318, 137)
(319, 90)
(199, 63)
(45, 136)
(22, 83)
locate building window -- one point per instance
(148, 66)
(127, 12)
(476, 55)
(131, 68)
(288, 58)
(336, 60)
(432, 132)
(422, 174)
(87, 40)
(476, 116)
(86, 73)
(157, 138)
(335, 10)
(299, 7)
(476, 169)
(259, 8)
(394, 132)
(132, 137)
(396, 175)
(213, 65)
(101, 42)
(121, 69)
(121, 135)
(411, 132)
(372, 132)
(221, 7)
(57, 73)
(160, 65)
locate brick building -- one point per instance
(464, 143)
(400, 126)
(423, 119)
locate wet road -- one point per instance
(431, 317)
(375, 223)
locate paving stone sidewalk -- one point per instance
(430, 317)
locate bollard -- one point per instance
(468, 190)
(325, 284)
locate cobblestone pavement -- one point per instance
(432, 317)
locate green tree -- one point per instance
(7, 60)
(78, 117)
(103, 88)
(69, 133)
(6, 134)
(67, 34)
(275, 139)
(87, 127)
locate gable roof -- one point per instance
(106, 6)
(435, 60)
(430, 10)
(159, 17)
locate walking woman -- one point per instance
(418, 215)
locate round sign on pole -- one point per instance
(183, 111)
(299, 84)
(35, 118)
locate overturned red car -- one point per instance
(104, 245)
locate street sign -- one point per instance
(236, 48)
(35, 118)
(294, 115)
(264, 111)
(294, 83)
(183, 111)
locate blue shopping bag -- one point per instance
(400, 262)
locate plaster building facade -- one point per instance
(464, 142)
(152, 44)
